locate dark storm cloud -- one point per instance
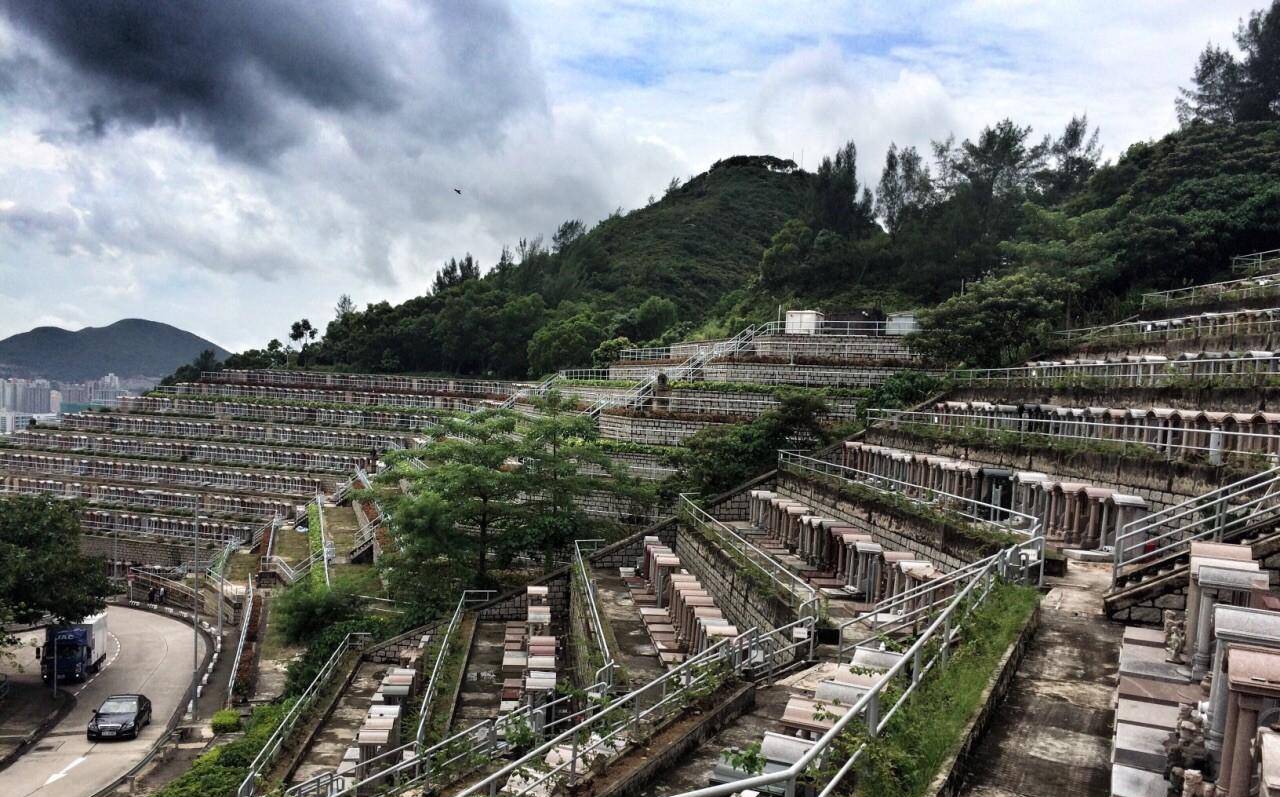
(225, 68)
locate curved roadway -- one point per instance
(148, 653)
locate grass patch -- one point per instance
(904, 760)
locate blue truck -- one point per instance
(73, 652)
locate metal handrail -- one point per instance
(1187, 326)
(1166, 439)
(1256, 261)
(807, 601)
(428, 695)
(267, 754)
(943, 629)
(1004, 519)
(326, 547)
(1229, 289)
(1153, 371)
(1238, 506)
(605, 672)
(247, 612)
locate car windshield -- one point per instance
(119, 706)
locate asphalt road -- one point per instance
(150, 654)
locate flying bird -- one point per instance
(458, 191)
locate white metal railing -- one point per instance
(1171, 439)
(540, 389)
(1248, 504)
(1230, 290)
(1149, 372)
(469, 597)
(798, 594)
(605, 672)
(1202, 325)
(1257, 261)
(587, 375)
(795, 336)
(266, 756)
(246, 613)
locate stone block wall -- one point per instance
(846, 347)
(735, 593)
(143, 550)
(514, 606)
(935, 542)
(807, 375)
(649, 431)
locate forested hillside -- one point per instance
(1005, 236)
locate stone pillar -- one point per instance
(1229, 759)
(1204, 632)
(1218, 696)
(1242, 751)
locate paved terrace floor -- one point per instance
(481, 682)
(338, 732)
(636, 652)
(1052, 736)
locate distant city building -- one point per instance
(11, 422)
(41, 397)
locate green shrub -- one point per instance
(306, 609)
(219, 772)
(225, 721)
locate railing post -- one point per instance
(873, 714)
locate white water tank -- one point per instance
(902, 323)
(803, 322)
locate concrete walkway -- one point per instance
(636, 652)
(482, 681)
(1052, 736)
(339, 729)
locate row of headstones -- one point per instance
(529, 655)
(242, 432)
(297, 394)
(287, 413)
(192, 451)
(842, 556)
(208, 503)
(1228, 633)
(679, 613)
(379, 732)
(157, 472)
(1187, 434)
(1076, 514)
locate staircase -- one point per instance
(1152, 553)
(641, 392)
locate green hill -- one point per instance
(130, 347)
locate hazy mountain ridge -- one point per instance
(129, 347)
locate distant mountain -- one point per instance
(130, 347)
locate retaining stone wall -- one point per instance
(934, 542)
(649, 431)
(515, 606)
(736, 595)
(850, 347)
(149, 550)
(808, 375)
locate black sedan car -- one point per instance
(120, 716)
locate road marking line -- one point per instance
(60, 775)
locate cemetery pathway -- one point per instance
(1052, 735)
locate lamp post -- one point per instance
(195, 607)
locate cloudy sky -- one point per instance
(231, 166)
